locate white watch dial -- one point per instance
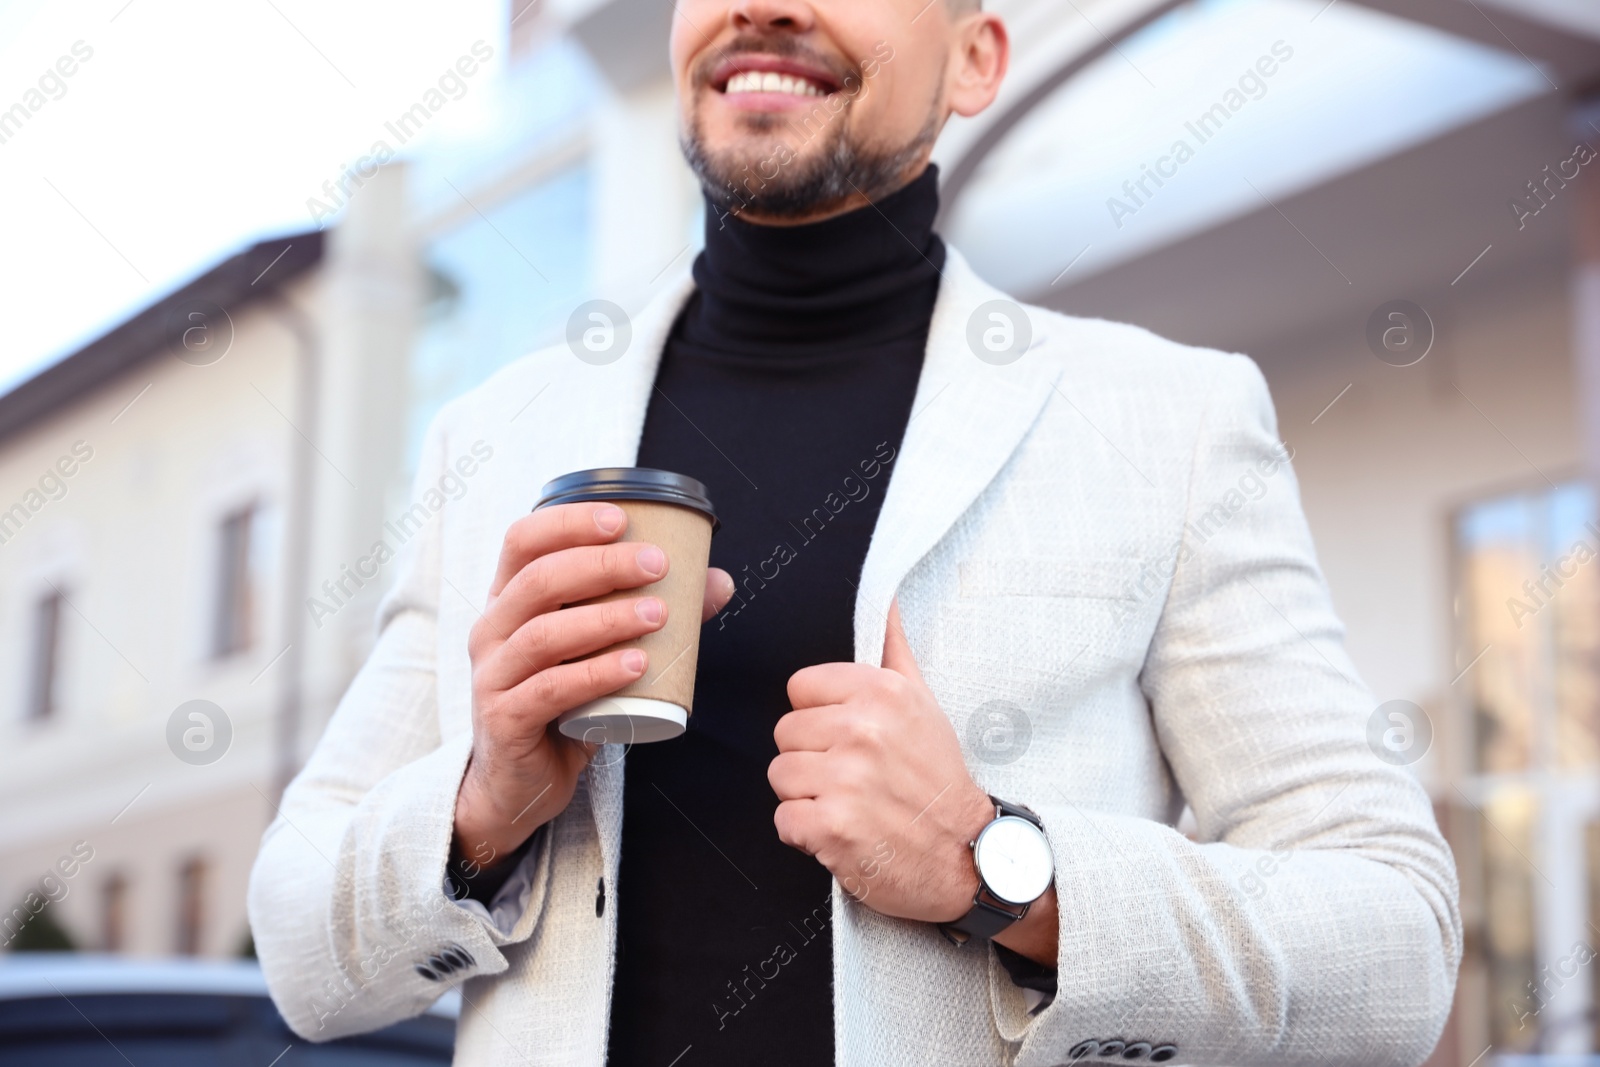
(1014, 860)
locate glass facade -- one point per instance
(503, 277)
(499, 286)
(1506, 836)
(1528, 616)
(1529, 599)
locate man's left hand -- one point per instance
(871, 782)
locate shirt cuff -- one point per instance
(1037, 982)
(510, 900)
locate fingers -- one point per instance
(797, 775)
(552, 528)
(719, 590)
(833, 683)
(556, 636)
(542, 697)
(897, 654)
(568, 575)
(812, 729)
(796, 822)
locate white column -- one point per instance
(1563, 978)
(367, 325)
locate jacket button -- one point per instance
(440, 964)
(426, 972)
(457, 956)
(1083, 1050)
(600, 900)
(1136, 1051)
(1112, 1048)
(1163, 1053)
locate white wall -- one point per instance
(1383, 469)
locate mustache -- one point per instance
(780, 45)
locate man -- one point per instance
(985, 574)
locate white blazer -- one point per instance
(1102, 534)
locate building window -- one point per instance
(1530, 602)
(1506, 839)
(113, 905)
(1528, 618)
(45, 667)
(191, 912)
(235, 594)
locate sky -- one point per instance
(190, 130)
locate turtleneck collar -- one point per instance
(856, 280)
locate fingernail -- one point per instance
(652, 559)
(609, 518)
(649, 609)
(633, 661)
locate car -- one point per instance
(64, 1009)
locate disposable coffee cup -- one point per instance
(673, 512)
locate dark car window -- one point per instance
(197, 1030)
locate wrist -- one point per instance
(1037, 934)
(482, 831)
(977, 811)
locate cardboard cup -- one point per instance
(656, 707)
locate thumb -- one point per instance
(897, 655)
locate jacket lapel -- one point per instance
(967, 419)
(598, 416)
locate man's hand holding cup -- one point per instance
(533, 659)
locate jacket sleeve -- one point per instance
(348, 898)
(1315, 917)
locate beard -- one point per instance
(835, 167)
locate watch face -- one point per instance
(1014, 860)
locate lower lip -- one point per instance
(770, 101)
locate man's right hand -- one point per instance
(523, 770)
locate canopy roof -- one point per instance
(1181, 127)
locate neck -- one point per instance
(858, 276)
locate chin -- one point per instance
(734, 158)
(752, 135)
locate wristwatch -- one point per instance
(1015, 867)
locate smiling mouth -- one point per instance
(767, 81)
(758, 71)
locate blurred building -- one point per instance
(171, 491)
(1390, 204)
(142, 557)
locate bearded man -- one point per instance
(997, 593)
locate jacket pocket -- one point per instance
(1101, 578)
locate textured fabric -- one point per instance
(723, 930)
(1078, 540)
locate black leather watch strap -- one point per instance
(1021, 811)
(983, 922)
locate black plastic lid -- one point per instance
(629, 483)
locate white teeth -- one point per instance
(756, 81)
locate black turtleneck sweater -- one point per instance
(785, 386)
